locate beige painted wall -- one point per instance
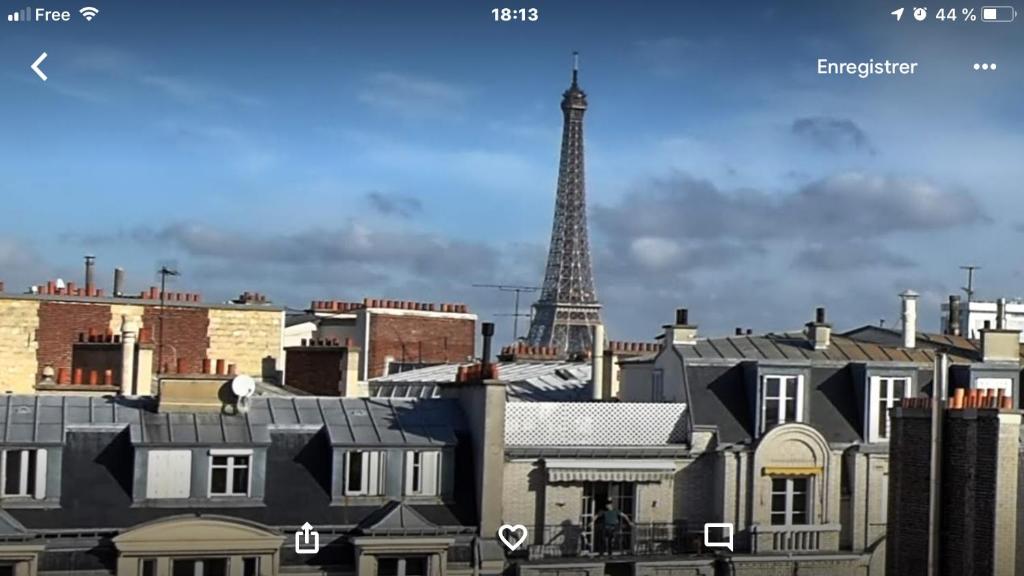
(519, 500)
(245, 338)
(19, 320)
(635, 382)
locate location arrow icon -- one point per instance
(35, 66)
(898, 13)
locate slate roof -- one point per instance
(526, 381)
(719, 390)
(965, 349)
(97, 491)
(11, 529)
(795, 347)
(43, 420)
(397, 518)
(595, 424)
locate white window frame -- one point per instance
(231, 455)
(428, 463)
(1004, 384)
(783, 396)
(34, 488)
(402, 562)
(788, 511)
(372, 476)
(875, 397)
(658, 385)
(257, 560)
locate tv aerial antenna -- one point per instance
(969, 289)
(516, 315)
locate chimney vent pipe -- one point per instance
(1001, 314)
(954, 315)
(682, 316)
(487, 330)
(909, 299)
(90, 283)
(597, 365)
(819, 315)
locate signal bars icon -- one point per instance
(23, 15)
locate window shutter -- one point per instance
(409, 455)
(40, 479)
(372, 482)
(431, 466)
(169, 474)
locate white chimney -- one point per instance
(909, 299)
(819, 332)
(597, 364)
(682, 332)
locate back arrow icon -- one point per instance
(35, 66)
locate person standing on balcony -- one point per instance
(611, 523)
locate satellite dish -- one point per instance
(243, 386)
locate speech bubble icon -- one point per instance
(507, 533)
(722, 537)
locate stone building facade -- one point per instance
(799, 430)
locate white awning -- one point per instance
(608, 470)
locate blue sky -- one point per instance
(409, 149)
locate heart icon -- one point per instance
(509, 539)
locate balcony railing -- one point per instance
(640, 539)
(800, 538)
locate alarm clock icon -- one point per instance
(920, 14)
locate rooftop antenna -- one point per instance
(515, 315)
(575, 66)
(969, 289)
(164, 273)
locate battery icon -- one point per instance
(998, 13)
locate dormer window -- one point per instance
(364, 473)
(23, 473)
(885, 393)
(782, 401)
(230, 472)
(422, 469)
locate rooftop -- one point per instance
(595, 424)
(348, 421)
(526, 381)
(796, 347)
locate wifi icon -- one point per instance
(89, 13)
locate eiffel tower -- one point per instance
(567, 310)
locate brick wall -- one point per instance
(419, 338)
(315, 369)
(19, 320)
(249, 338)
(909, 492)
(185, 331)
(60, 323)
(980, 455)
